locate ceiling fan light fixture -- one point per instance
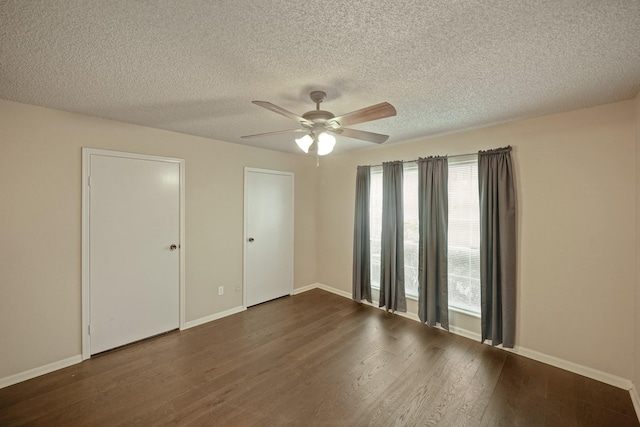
(326, 142)
(319, 125)
(304, 142)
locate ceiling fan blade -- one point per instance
(374, 112)
(278, 132)
(363, 135)
(282, 111)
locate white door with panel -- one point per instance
(268, 263)
(134, 263)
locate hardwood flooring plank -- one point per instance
(442, 409)
(409, 385)
(314, 359)
(318, 379)
(507, 398)
(429, 389)
(596, 393)
(478, 394)
(590, 415)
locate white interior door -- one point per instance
(268, 235)
(134, 219)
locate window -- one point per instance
(464, 232)
(411, 232)
(375, 224)
(464, 235)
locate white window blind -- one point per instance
(411, 231)
(464, 235)
(463, 232)
(375, 223)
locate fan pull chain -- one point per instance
(317, 161)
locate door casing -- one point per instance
(247, 171)
(86, 159)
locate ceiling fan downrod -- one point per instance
(317, 96)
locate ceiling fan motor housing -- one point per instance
(318, 116)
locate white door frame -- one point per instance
(247, 170)
(86, 157)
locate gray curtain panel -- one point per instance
(497, 246)
(433, 205)
(392, 240)
(361, 242)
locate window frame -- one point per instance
(376, 174)
(459, 161)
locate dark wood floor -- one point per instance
(315, 359)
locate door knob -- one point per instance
(251, 239)
(173, 247)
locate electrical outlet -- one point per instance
(220, 290)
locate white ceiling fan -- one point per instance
(319, 126)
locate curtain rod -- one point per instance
(447, 156)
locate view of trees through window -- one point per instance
(463, 232)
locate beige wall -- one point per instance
(40, 223)
(576, 198)
(636, 376)
(577, 234)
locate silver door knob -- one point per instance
(251, 239)
(173, 247)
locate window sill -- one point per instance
(465, 312)
(451, 308)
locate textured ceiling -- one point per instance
(195, 66)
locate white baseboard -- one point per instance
(374, 303)
(576, 368)
(334, 290)
(465, 333)
(531, 354)
(635, 399)
(586, 371)
(41, 370)
(305, 288)
(213, 317)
